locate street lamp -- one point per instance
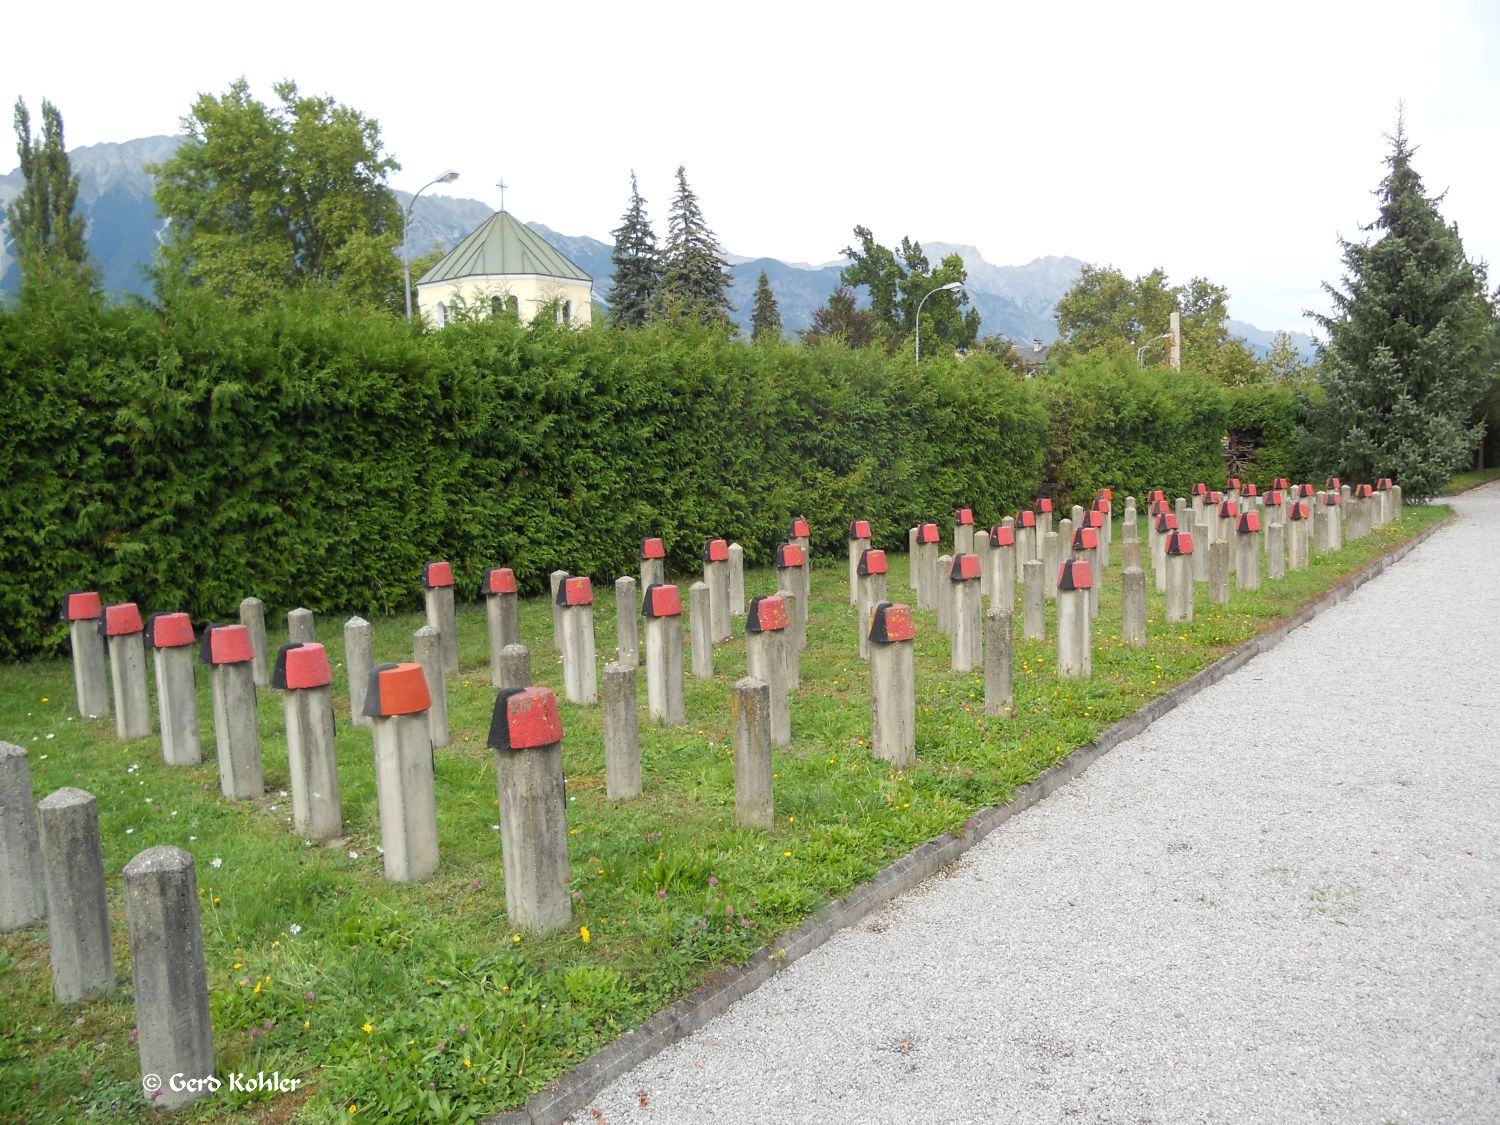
(446, 178)
(951, 287)
(1142, 349)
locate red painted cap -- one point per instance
(1103, 505)
(1229, 510)
(1159, 507)
(1180, 543)
(1299, 511)
(662, 601)
(1280, 483)
(436, 574)
(1025, 518)
(859, 529)
(1332, 499)
(1105, 494)
(1251, 490)
(1249, 522)
(1085, 539)
(225, 644)
(715, 550)
(169, 630)
(1364, 491)
(1166, 522)
(498, 580)
(1275, 498)
(301, 664)
(1074, 574)
(575, 591)
(790, 555)
(767, 614)
(965, 567)
(525, 719)
(1200, 489)
(1215, 497)
(396, 689)
(1332, 482)
(120, 619)
(892, 622)
(799, 529)
(653, 549)
(1002, 536)
(1383, 484)
(963, 517)
(928, 533)
(1231, 484)
(873, 561)
(1094, 518)
(1043, 504)
(81, 605)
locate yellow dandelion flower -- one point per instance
(515, 938)
(306, 1023)
(466, 1062)
(583, 934)
(787, 854)
(368, 1027)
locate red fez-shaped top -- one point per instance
(928, 533)
(1249, 522)
(81, 605)
(396, 689)
(1333, 482)
(1251, 490)
(1085, 539)
(1002, 536)
(169, 630)
(767, 614)
(1158, 507)
(525, 719)
(1166, 522)
(662, 600)
(1364, 491)
(1229, 510)
(1102, 506)
(1093, 518)
(1025, 518)
(1231, 484)
(872, 561)
(1200, 489)
(799, 529)
(965, 567)
(119, 619)
(1043, 504)
(1158, 494)
(1383, 484)
(1180, 543)
(1074, 574)
(1298, 511)
(1215, 497)
(1275, 498)
(653, 549)
(891, 622)
(790, 555)
(226, 644)
(1280, 483)
(963, 516)
(859, 529)
(1332, 499)
(498, 580)
(436, 574)
(1105, 494)
(715, 550)
(575, 591)
(301, 664)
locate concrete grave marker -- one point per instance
(800, 534)
(967, 648)
(859, 543)
(23, 899)
(437, 594)
(736, 580)
(427, 651)
(81, 609)
(622, 733)
(1247, 547)
(253, 617)
(1074, 642)
(575, 600)
(716, 579)
(1042, 508)
(871, 582)
(893, 690)
(124, 633)
(754, 801)
(300, 625)
(963, 531)
(792, 573)
(1029, 538)
(1298, 522)
(999, 662)
(653, 563)
(303, 673)
(766, 626)
(502, 613)
(1086, 547)
(554, 584)
(77, 915)
(515, 666)
(1034, 597)
(226, 649)
(526, 734)
(1133, 606)
(359, 658)
(945, 597)
(1218, 572)
(1001, 571)
(396, 701)
(627, 628)
(171, 637)
(1177, 563)
(662, 609)
(701, 621)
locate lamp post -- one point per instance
(951, 287)
(446, 178)
(1140, 351)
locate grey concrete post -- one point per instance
(1179, 549)
(1002, 568)
(81, 609)
(171, 636)
(653, 564)
(627, 628)
(303, 673)
(397, 701)
(515, 666)
(913, 571)
(427, 651)
(1042, 511)
(1297, 534)
(554, 584)
(575, 601)
(1031, 543)
(1130, 554)
(622, 733)
(801, 535)
(982, 553)
(963, 532)
(1034, 600)
(1133, 607)
(300, 625)
(253, 617)
(791, 651)
(871, 583)
(124, 634)
(967, 648)
(1202, 537)
(1051, 560)
(859, 543)
(359, 658)
(1064, 540)
(893, 686)
(736, 580)
(77, 914)
(716, 580)
(1086, 547)
(1397, 501)
(1099, 521)
(227, 651)
(766, 626)
(999, 662)
(23, 900)
(1165, 525)
(437, 595)
(792, 577)
(1130, 522)
(1335, 514)
(1074, 639)
(1276, 550)
(1218, 572)
(1075, 517)
(927, 553)
(1229, 518)
(945, 596)
(700, 620)
(754, 798)
(662, 607)
(167, 972)
(502, 614)
(1247, 546)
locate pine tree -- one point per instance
(637, 270)
(43, 222)
(694, 274)
(765, 321)
(1408, 356)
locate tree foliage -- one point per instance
(1410, 352)
(267, 198)
(43, 221)
(840, 319)
(765, 320)
(695, 278)
(897, 280)
(632, 294)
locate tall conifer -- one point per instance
(694, 275)
(42, 221)
(765, 321)
(637, 272)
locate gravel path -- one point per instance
(1279, 904)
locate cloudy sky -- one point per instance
(1229, 140)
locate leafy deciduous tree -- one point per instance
(637, 271)
(898, 280)
(42, 222)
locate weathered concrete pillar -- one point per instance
(963, 531)
(1001, 570)
(1075, 518)
(253, 617)
(700, 610)
(1104, 504)
(227, 651)
(23, 899)
(1298, 529)
(1229, 519)
(437, 594)
(77, 914)
(1218, 572)
(622, 733)
(1042, 510)
(945, 596)
(662, 608)
(653, 563)
(124, 633)
(1130, 553)
(359, 658)
(526, 735)
(1199, 504)
(427, 651)
(1398, 501)
(300, 626)
(1074, 641)
(736, 580)
(870, 581)
(1030, 540)
(502, 613)
(967, 649)
(1133, 606)
(927, 554)
(175, 1034)
(627, 628)
(913, 571)
(171, 637)
(893, 685)
(1155, 550)
(1130, 521)
(1276, 550)
(397, 701)
(81, 609)
(515, 666)
(800, 534)
(1086, 547)
(999, 662)
(1178, 550)
(716, 579)
(554, 584)
(1097, 520)
(791, 652)
(1334, 512)
(754, 799)
(1232, 490)
(303, 673)
(1201, 536)
(765, 635)
(792, 574)
(1166, 524)
(1247, 547)
(1034, 599)
(1053, 549)
(1361, 511)
(859, 543)
(575, 603)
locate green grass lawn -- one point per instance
(421, 1002)
(1472, 479)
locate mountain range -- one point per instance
(123, 231)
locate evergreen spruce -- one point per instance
(637, 271)
(42, 221)
(694, 274)
(765, 321)
(1408, 357)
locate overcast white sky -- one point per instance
(1233, 141)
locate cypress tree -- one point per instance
(765, 321)
(694, 274)
(43, 222)
(633, 290)
(1408, 357)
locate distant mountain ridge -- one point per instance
(123, 231)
